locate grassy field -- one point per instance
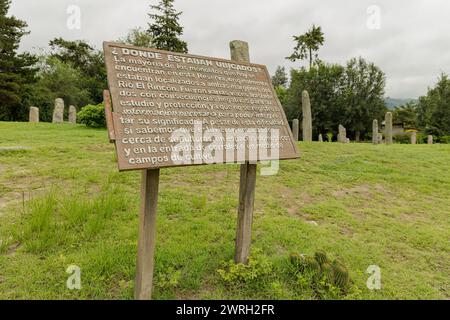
(63, 202)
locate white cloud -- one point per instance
(410, 47)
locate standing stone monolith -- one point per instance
(413, 137)
(295, 124)
(72, 114)
(375, 131)
(430, 139)
(307, 118)
(342, 136)
(380, 138)
(34, 114)
(388, 128)
(320, 138)
(58, 112)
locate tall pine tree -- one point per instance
(165, 28)
(280, 77)
(308, 45)
(16, 71)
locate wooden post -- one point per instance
(245, 212)
(147, 234)
(240, 53)
(109, 115)
(147, 218)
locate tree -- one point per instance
(433, 110)
(165, 28)
(76, 53)
(61, 80)
(280, 77)
(138, 37)
(351, 95)
(84, 58)
(308, 45)
(17, 73)
(363, 95)
(281, 94)
(406, 114)
(323, 83)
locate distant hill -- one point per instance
(391, 103)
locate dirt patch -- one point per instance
(206, 288)
(13, 149)
(362, 190)
(292, 196)
(219, 175)
(18, 193)
(8, 198)
(295, 202)
(13, 248)
(99, 148)
(305, 217)
(21, 188)
(346, 231)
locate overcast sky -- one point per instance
(410, 41)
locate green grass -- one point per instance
(63, 202)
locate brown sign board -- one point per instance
(172, 109)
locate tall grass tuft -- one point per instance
(59, 219)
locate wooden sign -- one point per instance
(172, 109)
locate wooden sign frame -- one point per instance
(149, 199)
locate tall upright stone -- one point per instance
(413, 137)
(320, 138)
(307, 117)
(295, 128)
(58, 112)
(388, 128)
(342, 136)
(239, 51)
(430, 139)
(380, 138)
(375, 131)
(34, 114)
(72, 114)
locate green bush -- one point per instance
(422, 138)
(281, 94)
(170, 278)
(93, 116)
(258, 265)
(444, 139)
(330, 136)
(402, 138)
